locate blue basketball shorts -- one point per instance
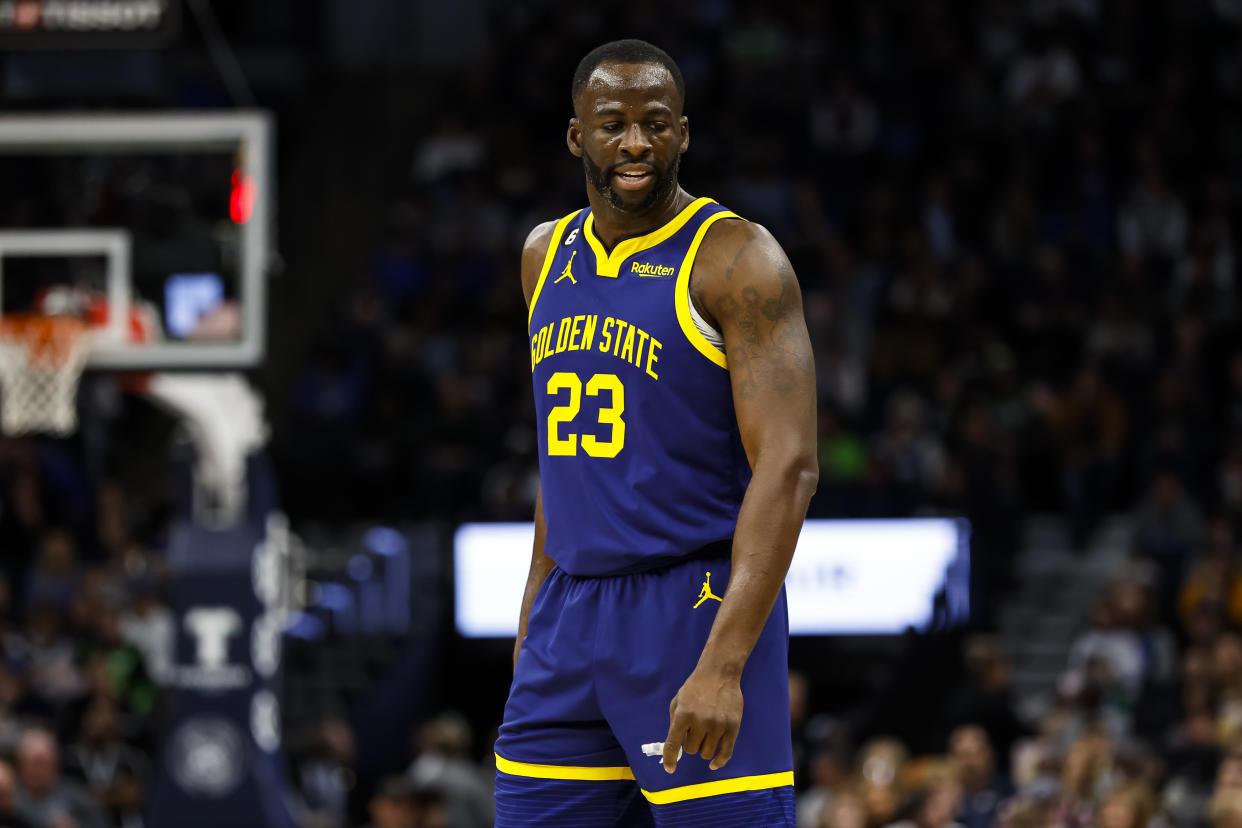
(588, 711)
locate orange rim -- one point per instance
(50, 340)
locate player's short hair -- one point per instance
(625, 51)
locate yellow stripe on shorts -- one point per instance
(720, 786)
(562, 771)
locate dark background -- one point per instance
(1013, 223)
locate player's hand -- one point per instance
(704, 717)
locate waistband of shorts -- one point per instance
(652, 566)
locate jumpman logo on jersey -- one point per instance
(567, 271)
(706, 592)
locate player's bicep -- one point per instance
(759, 310)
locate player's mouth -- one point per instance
(632, 177)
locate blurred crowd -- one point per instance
(1013, 223)
(1135, 733)
(86, 642)
(1143, 727)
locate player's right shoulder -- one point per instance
(533, 252)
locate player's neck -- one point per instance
(613, 225)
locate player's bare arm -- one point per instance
(533, 253)
(534, 250)
(744, 285)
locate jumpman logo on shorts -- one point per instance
(706, 592)
(567, 271)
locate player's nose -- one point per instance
(634, 141)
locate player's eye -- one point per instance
(659, 126)
(612, 126)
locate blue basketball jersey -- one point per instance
(641, 462)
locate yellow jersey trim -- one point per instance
(681, 296)
(609, 264)
(720, 786)
(553, 245)
(563, 771)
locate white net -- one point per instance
(41, 362)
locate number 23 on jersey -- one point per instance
(566, 445)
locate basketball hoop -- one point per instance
(41, 360)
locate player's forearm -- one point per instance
(768, 524)
(540, 566)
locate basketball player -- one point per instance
(675, 395)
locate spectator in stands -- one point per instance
(880, 765)
(115, 772)
(433, 808)
(1043, 75)
(1167, 529)
(1108, 658)
(1225, 810)
(1227, 676)
(149, 626)
(1153, 221)
(450, 149)
(44, 797)
(986, 696)
(842, 454)
(845, 810)
(443, 747)
(1135, 611)
(114, 667)
(984, 789)
(393, 805)
(1015, 224)
(845, 121)
(911, 456)
(935, 801)
(1086, 776)
(10, 816)
(324, 760)
(1130, 807)
(1214, 579)
(1088, 424)
(114, 540)
(56, 577)
(830, 779)
(54, 674)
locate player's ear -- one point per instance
(573, 138)
(685, 134)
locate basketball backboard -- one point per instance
(171, 210)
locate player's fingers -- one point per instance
(694, 737)
(672, 743)
(711, 743)
(725, 753)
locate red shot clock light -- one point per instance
(241, 197)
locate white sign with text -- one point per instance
(848, 577)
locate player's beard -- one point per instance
(601, 180)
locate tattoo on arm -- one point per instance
(736, 258)
(770, 352)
